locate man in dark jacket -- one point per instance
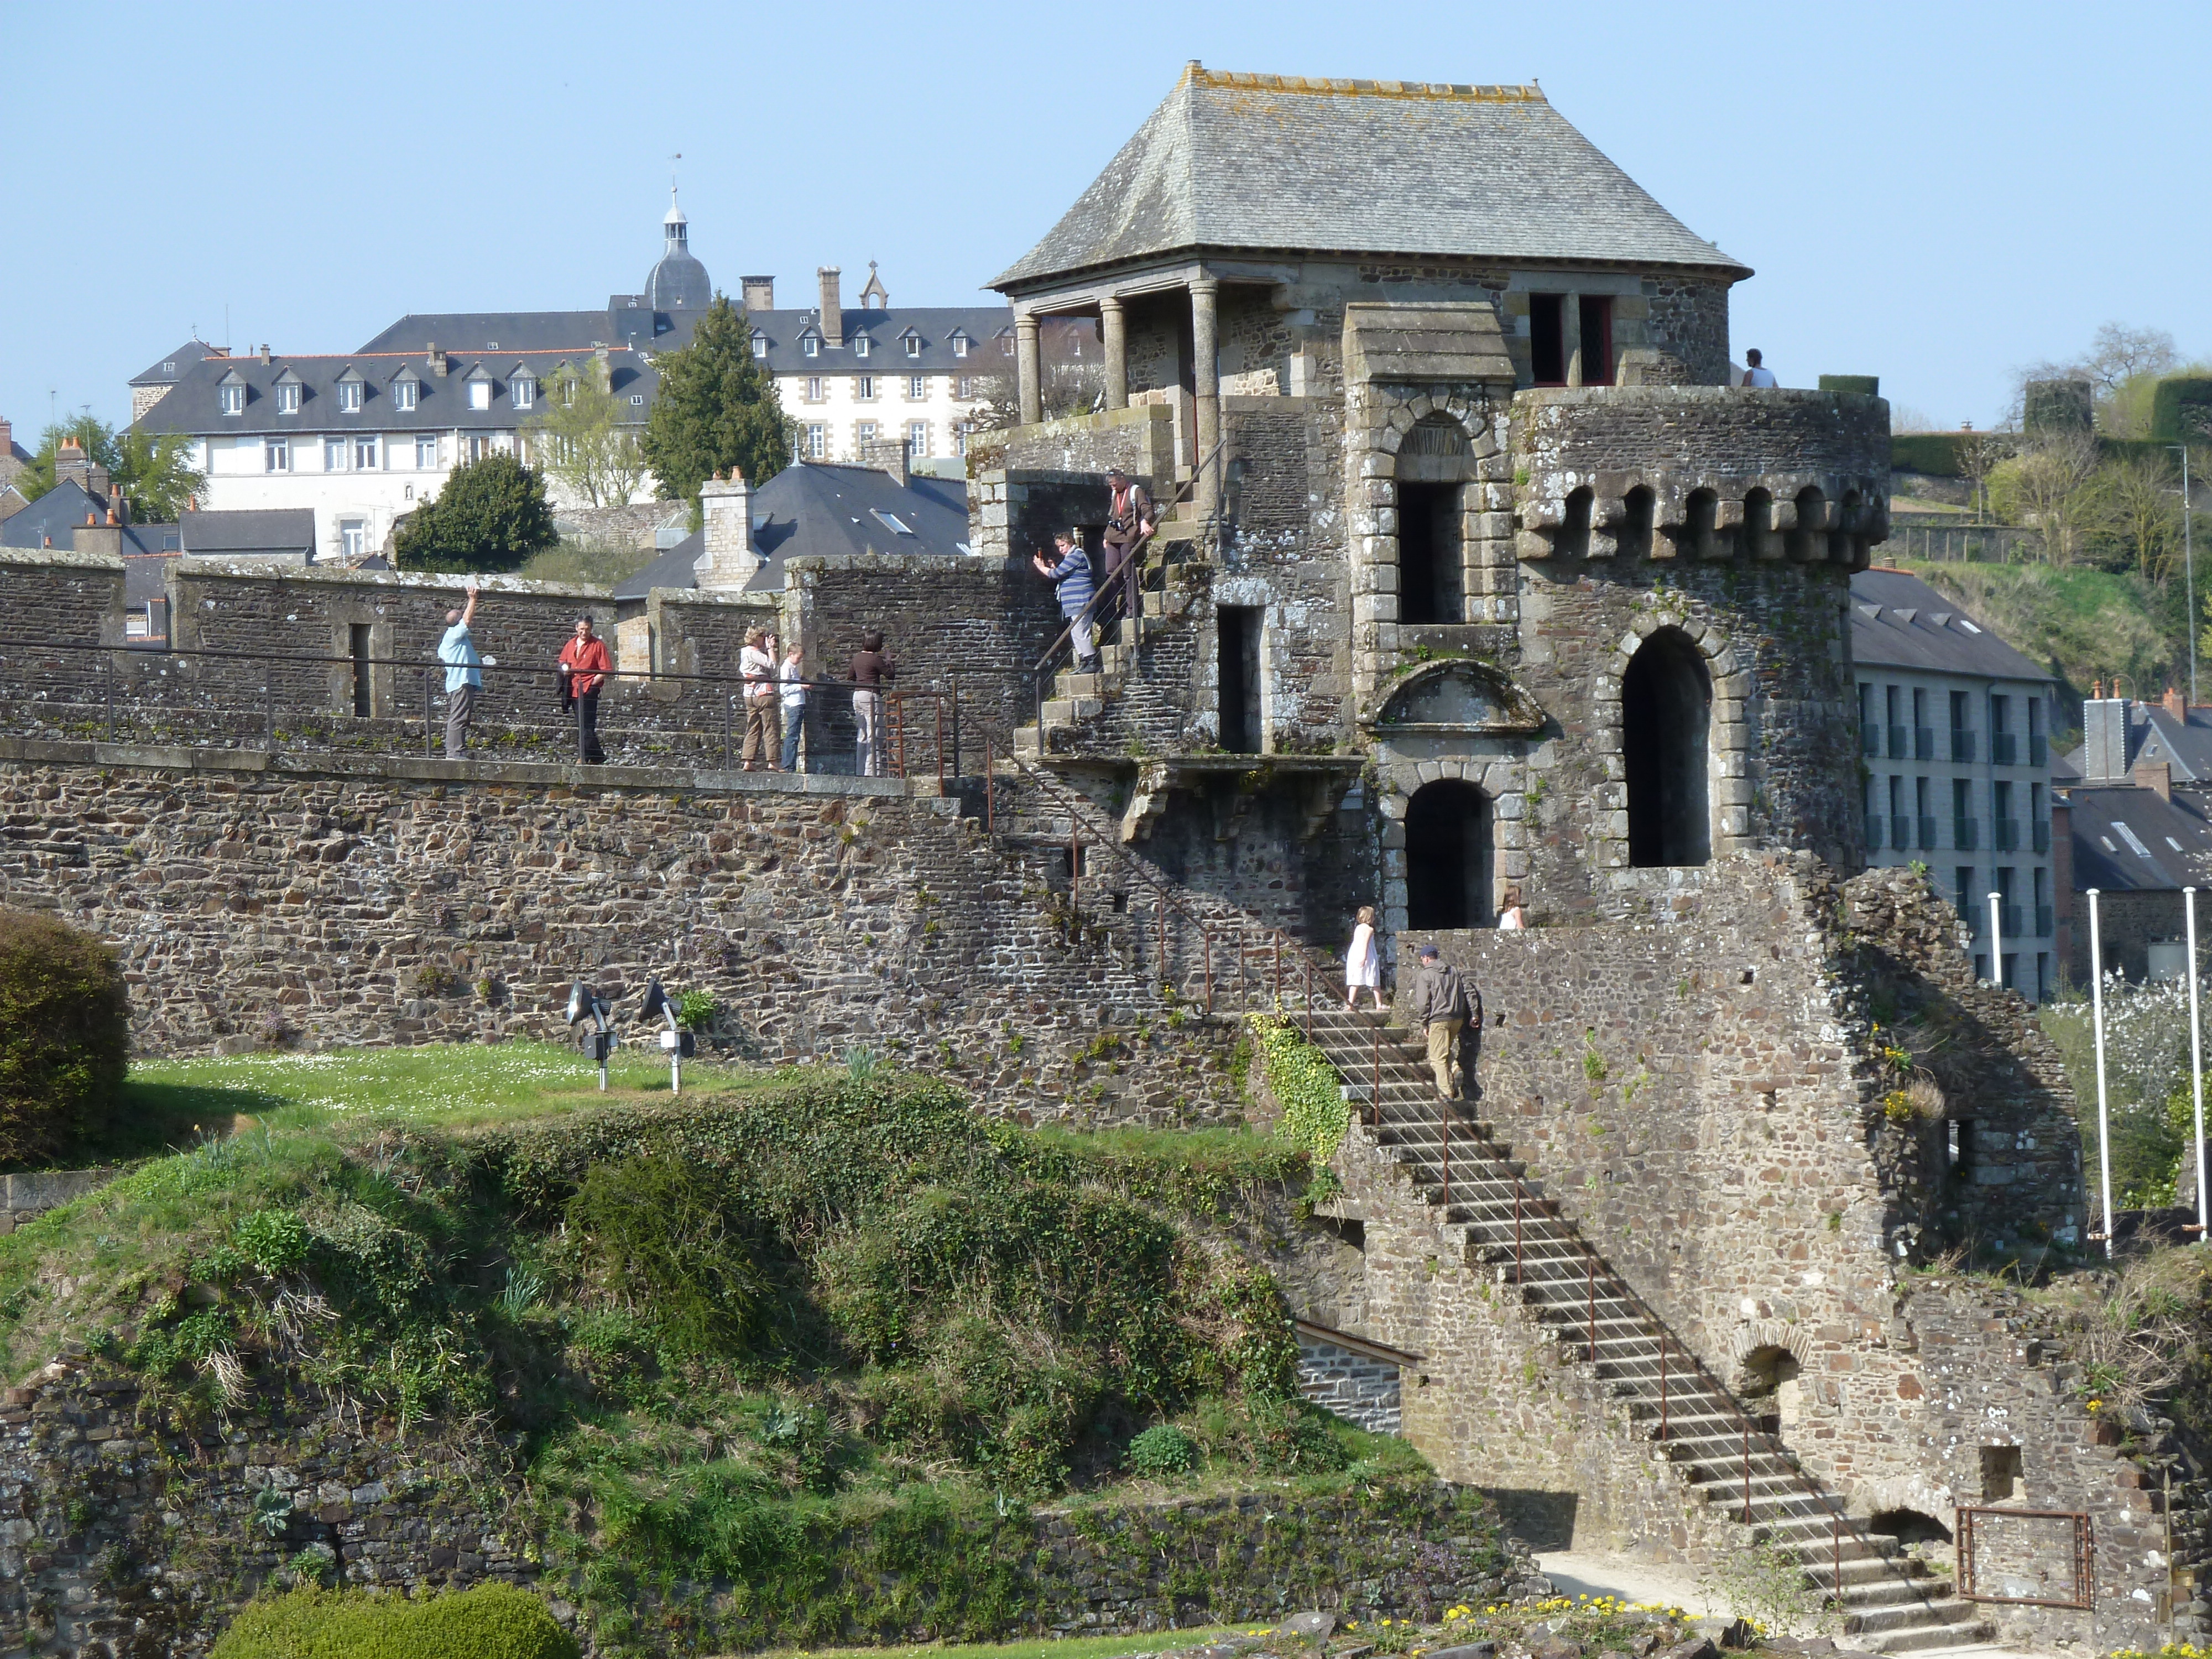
(1441, 1004)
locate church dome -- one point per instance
(679, 282)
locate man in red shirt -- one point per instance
(584, 666)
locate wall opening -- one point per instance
(1910, 1526)
(1700, 521)
(1805, 542)
(1597, 339)
(361, 639)
(1573, 539)
(1547, 339)
(1447, 856)
(1770, 1389)
(1666, 705)
(1237, 646)
(1428, 553)
(1638, 507)
(1759, 524)
(2001, 1474)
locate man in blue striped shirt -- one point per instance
(1073, 585)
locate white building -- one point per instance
(1955, 772)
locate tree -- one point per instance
(2052, 484)
(152, 471)
(1978, 455)
(2144, 491)
(2122, 364)
(491, 515)
(582, 441)
(717, 409)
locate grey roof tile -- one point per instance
(280, 531)
(1898, 620)
(168, 370)
(2131, 839)
(1272, 163)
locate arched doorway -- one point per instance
(1447, 856)
(1771, 1387)
(1666, 712)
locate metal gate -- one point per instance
(2033, 1558)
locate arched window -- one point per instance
(1637, 509)
(1449, 858)
(1772, 1390)
(1666, 713)
(1806, 543)
(1433, 462)
(1573, 539)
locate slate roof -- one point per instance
(2156, 733)
(1273, 163)
(821, 507)
(626, 322)
(886, 331)
(277, 531)
(168, 370)
(441, 404)
(2131, 839)
(60, 514)
(1898, 620)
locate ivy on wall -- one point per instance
(1314, 1112)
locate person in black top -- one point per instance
(871, 668)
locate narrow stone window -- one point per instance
(364, 703)
(1448, 856)
(1666, 705)
(1236, 633)
(1547, 339)
(2001, 1474)
(1597, 339)
(1428, 553)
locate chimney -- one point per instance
(760, 293)
(2103, 739)
(437, 361)
(2154, 775)
(886, 455)
(832, 306)
(69, 464)
(100, 538)
(2175, 704)
(726, 507)
(265, 351)
(7, 438)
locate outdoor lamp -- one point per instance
(678, 1043)
(600, 1042)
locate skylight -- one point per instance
(2132, 839)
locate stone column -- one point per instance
(1206, 366)
(1112, 332)
(1025, 368)
(1570, 336)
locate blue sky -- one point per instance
(1933, 193)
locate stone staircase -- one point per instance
(1737, 1472)
(1074, 697)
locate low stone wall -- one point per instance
(1358, 1389)
(27, 1197)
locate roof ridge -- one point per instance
(1497, 93)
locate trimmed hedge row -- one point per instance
(2181, 410)
(492, 1621)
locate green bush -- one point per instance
(1163, 1449)
(665, 1238)
(65, 1036)
(492, 1621)
(1935, 454)
(1865, 386)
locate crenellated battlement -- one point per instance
(1699, 473)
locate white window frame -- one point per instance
(479, 394)
(860, 345)
(864, 388)
(917, 437)
(917, 388)
(276, 455)
(288, 398)
(760, 343)
(863, 432)
(353, 538)
(364, 453)
(426, 451)
(818, 441)
(524, 391)
(965, 387)
(814, 388)
(349, 397)
(960, 345)
(334, 454)
(914, 345)
(233, 399)
(811, 346)
(402, 395)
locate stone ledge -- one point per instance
(431, 770)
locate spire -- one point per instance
(676, 228)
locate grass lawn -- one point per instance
(175, 1103)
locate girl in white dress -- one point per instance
(1363, 962)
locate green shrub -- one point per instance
(65, 1036)
(2181, 410)
(1935, 454)
(1865, 386)
(274, 1241)
(666, 1239)
(1163, 1449)
(492, 1621)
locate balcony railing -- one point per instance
(1900, 832)
(2045, 925)
(1924, 743)
(2008, 919)
(1873, 832)
(2004, 749)
(1963, 834)
(1869, 739)
(2007, 835)
(1897, 748)
(1927, 835)
(2038, 752)
(1962, 743)
(2042, 841)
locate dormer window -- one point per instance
(403, 393)
(860, 345)
(524, 391)
(959, 344)
(349, 397)
(288, 398)
(914, 345)
(479, 394)
(233, 393)
(1006, 345)
(760, 343)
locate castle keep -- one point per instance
(1475, 578)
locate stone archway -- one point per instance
(1666, 708)
(1450, 858)
(1728, 736)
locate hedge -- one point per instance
(1936, 454)
(1864, 386)
(492, 1621)
(65, 1036)
(2181, 410)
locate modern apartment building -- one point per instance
(1955, 767)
